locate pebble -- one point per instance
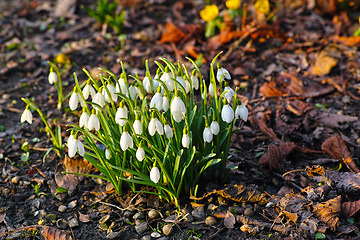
(15, 180)
(61, 223)
(249, 212)
(73, 223)
(153, 214)
(112, 235)
(141, 228)
(199, 213)
(163, 238)
(155, 235)
(62, 208)
(212, 207)
(72, 204)
(128, 214)
(236, 209)
(167, 229)
(146, 237)
(210, 221)
(138, 215)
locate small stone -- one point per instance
(155, 235)
(163, 238)
(199, 213)
(141, 228)
(235, 209)
(62, 208)
(153, 214)
(210, 221)
(167, 229)
(104, 218)
(72, 204)
(138, 215)
(249, 212)
(15, 180)
(128, 214)
(61, 223)
(73, 223)
(112, 235)
(146, 237)
(212, 207)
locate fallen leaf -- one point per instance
(229, 220)
(291, 216)
(172, 34)
(84, 218)
(347, 182)
(349, 209)
(328, 212)
(324, 63)
(334, 120)
(217, 41)
(336, 147)
(348, 41)
(276, 153)
(50, 233)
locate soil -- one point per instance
(293, 186)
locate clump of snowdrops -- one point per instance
(166, 131)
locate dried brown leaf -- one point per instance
(276, 153)
(323, 64)
(172, 34)
(217, 41)
(348, 41)
(348, 182)
(328, 212)
(229, 220)
(334, 120)
(291, 216)
(50, 233)
(349, 209)
(84, 218)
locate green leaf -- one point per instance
(61, 190)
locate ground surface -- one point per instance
(297, 155)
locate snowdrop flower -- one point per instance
(227, 113)
(112, 91)
(185, 141)
(194, 81)
(207, 134)
(88, 90)
(177, 108)
(168, 131)
(71, 138)
(147, 82)
(155, 174)
(93, 122)
(229, 94)
(215, 127)
(133, 92)
(242, 112)
(74, 100)
(167, 79)
(222, 71)
(84, 119)
(53, 77)
(107, 154)
(166, 103)
(26, 115)
(181, 80)
(140, 153)
(126, 140)
(157, 100)
(187, 86)
(211, 90)
(120, 86)
(122, 112)
(155, 126)
(76, 146)
(99, 98)
(137, 125)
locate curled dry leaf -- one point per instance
(50, 233)
(336, 147)
(172, 34)
(84, 218)
(348, 41)
(328, 212)
(324, 62)
(349, 209)
(276, 153)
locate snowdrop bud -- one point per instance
(155, 175)
(137, 127)
(76, 146)
(168, 131)
(242, 112)
(140, 154)
(166, 103)
(222, 71)
(229, 94)
(88, 90)
(122, 112)
(126, 141)
(99, 98)
(112, 91)
(177, 109)
(155, 126)
(121, 85)
(227, 113)
(207, 134)
(147, 84)
(107, 154)
(84, 119)
(194, 81)
(157, 100)
(215, 127)
(74, 99)
(181, 80)
(133, 92)
(167, 79)
(187, 86)
(26, 115)
(211, 90)
(71, 139)
(94, 122)
(53, 77)
(185, 141)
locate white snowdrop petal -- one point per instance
(152, 127)
(84, 119)
(207, 135)
(53, 78)
(215, 127)
(80, 148)
(227, 113)
(185, 141)
(72, 148)
(74, 100)
(126, 141)
(26, 116)
(140, 154)
(242, 112)
(211, 90)
(177, 109)
(159, 127)
(137, 127)
(168, 131)
(107, 154)
(155, 174)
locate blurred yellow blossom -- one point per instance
(209, 13)
(62, 59)
(262, 6)
(233, 4)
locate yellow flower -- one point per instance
(62, 59)
(209, 13)
(262, 6)
(233, 4)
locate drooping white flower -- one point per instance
(122, 112)
(168, 131)
(155, 174)
(99, 98)
(71, 139)
(140, 154)
(126, 141)
(195, 82)
(133, 92)
(181, 80)
(157, 101)
(222, 71)
(76, 146)
(229, 94)
(84, 119)
(166, 103)
(155, 126)
(121, 87)
(185, 141)
(94, 122)
(177, 109)
(81, 101)
(147, 83)
(107, 154)
(187, 86)
(137, 125)
(112, 91)
(207, 135)
(242, 112)
(53, 77)
(215, 127)
(26, 116)
(167, 79)
(227, 113)
(211, 90)
(74, 100)
(88, 90)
